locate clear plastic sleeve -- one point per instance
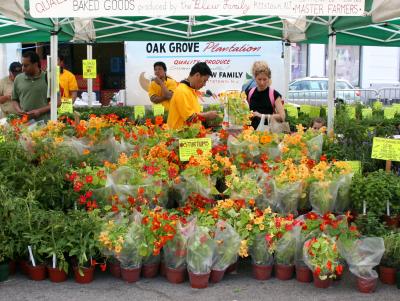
(200, 251)
(343, 195)
(315, 147)
(259, 251)
(285, 249)
(323, 196)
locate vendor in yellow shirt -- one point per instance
(162, 86)
(184, 104)
(69, 86)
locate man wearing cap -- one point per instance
(162, 86)
(6, 87)
(30, 89)
(68, 82)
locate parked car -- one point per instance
(314, 91)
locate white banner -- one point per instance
(230, 63)
(107, 8)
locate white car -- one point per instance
(314, 91)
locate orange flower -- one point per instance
(159, 120)
(86, 152)
(265, 139)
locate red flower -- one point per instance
(89, 179)
(329, 265)
(322, 158)
(199, 151)
(339, 269)
(288, 227)
(353, 228)
(89, 194)
(317, 271)
(103, 267)
(312, 216)
(82, 199)
(114, 208)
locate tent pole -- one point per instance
(89, 50)
(287, 55)
(331, 76)
(53, 71)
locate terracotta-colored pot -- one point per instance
(175, 275)
(150, 270)
(12, 267)
(87, 277)
(4, 271)
(303, 274)
(387, 275)
(23, 265)
(261, 272)
(391, 221)
(366, 285)
(232, 268)
(130, 275)
(163, 271)
(38, 272)
(284, 271)
(115, 269)
(216, 276)
(199, 280)
(322, 283)
(57, 275)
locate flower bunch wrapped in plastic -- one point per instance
(236, 109)
(200, 251)
(227, 244)
(322, 257)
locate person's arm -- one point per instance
(73, 88)
(210, 115)
(15, 100)
(156, 99)
(17, 108)
(43, 110)
(74, 95)
(279, 111)
(5, 98)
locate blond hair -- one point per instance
(261, 67)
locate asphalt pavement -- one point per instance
(237, 286)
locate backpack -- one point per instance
(271, 96)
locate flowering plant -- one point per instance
(236, 109)
(322, 257)
(200, 250)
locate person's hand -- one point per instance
(210, 115)
(256, 114)
(158, 81)
(34, 113)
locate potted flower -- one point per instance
(391, 258)
(175, 251)
(322, 257)
(227, 243)
(363, 255)
(83, 228)
(55, 246)
(284, 256)
(261, 257)
(199, 258)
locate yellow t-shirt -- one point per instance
(184, 103)
(155, 89)
(68, 83)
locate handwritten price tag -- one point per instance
(190, 147)
(139, 111)
(66, 107)
(89, 68)
(386, 149)
(158, 110)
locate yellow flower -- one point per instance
(268, 210)
(118, 248)
(249, 227)
(261, 227)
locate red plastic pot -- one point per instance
(366, 285)
(199, 280)
(37, 273)
(150, 270)
(130, 275)
(216, 276)
(261, 272)
(318, 282)
(87, 277)
(391, 221)
(12, 266)
(284, 271)
(232, 268)
(303, 274)
(115, 269)
(387, 275)
(175, 275)
(57, 275)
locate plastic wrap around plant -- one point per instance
(77, 145)
(315, 147)
(246, 187)
(237, 147)
(266, 199)
(301, 237)
(200, 251)
(259, 251)
(343, 195)
(362, 255)
(227, 243)
(323, 196)
(175, 250)
(285, 249)
(118, 147)
(287, 197)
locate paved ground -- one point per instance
(238, 286)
